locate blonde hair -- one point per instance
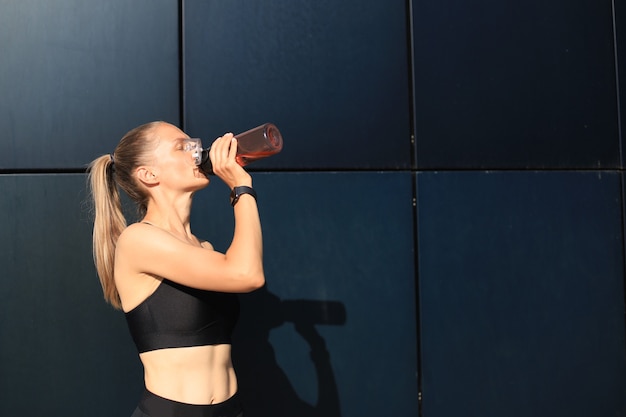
(105, 174)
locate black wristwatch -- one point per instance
(239, 191)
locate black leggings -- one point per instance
(152, 405)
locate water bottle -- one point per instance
(257, 143)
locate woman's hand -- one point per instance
(222, 154)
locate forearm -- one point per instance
(246, 250)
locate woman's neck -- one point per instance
(172, 215)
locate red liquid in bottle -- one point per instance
(252, 145)
(245, 159)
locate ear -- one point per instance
(147, 175)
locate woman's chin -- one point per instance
(200, 174)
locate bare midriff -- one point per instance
(192, 375)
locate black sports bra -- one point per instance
(179, 316)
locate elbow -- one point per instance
(257, 281)
(252, 281)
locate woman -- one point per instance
(177, 293)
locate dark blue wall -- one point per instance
(443, 229)
(522, 301)
(524, 85)
(332, 75)
(75, 76)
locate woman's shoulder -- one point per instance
(139, 232)
(149, 237)
(136, 228)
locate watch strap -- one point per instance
(239, 191)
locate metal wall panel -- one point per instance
(332, 75)
(333, 241)
(515, 85)
(63, 352)
(521, 294)
(75, 76)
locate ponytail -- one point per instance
(105, 176)
(109, 222)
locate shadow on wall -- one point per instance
(264, 386)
